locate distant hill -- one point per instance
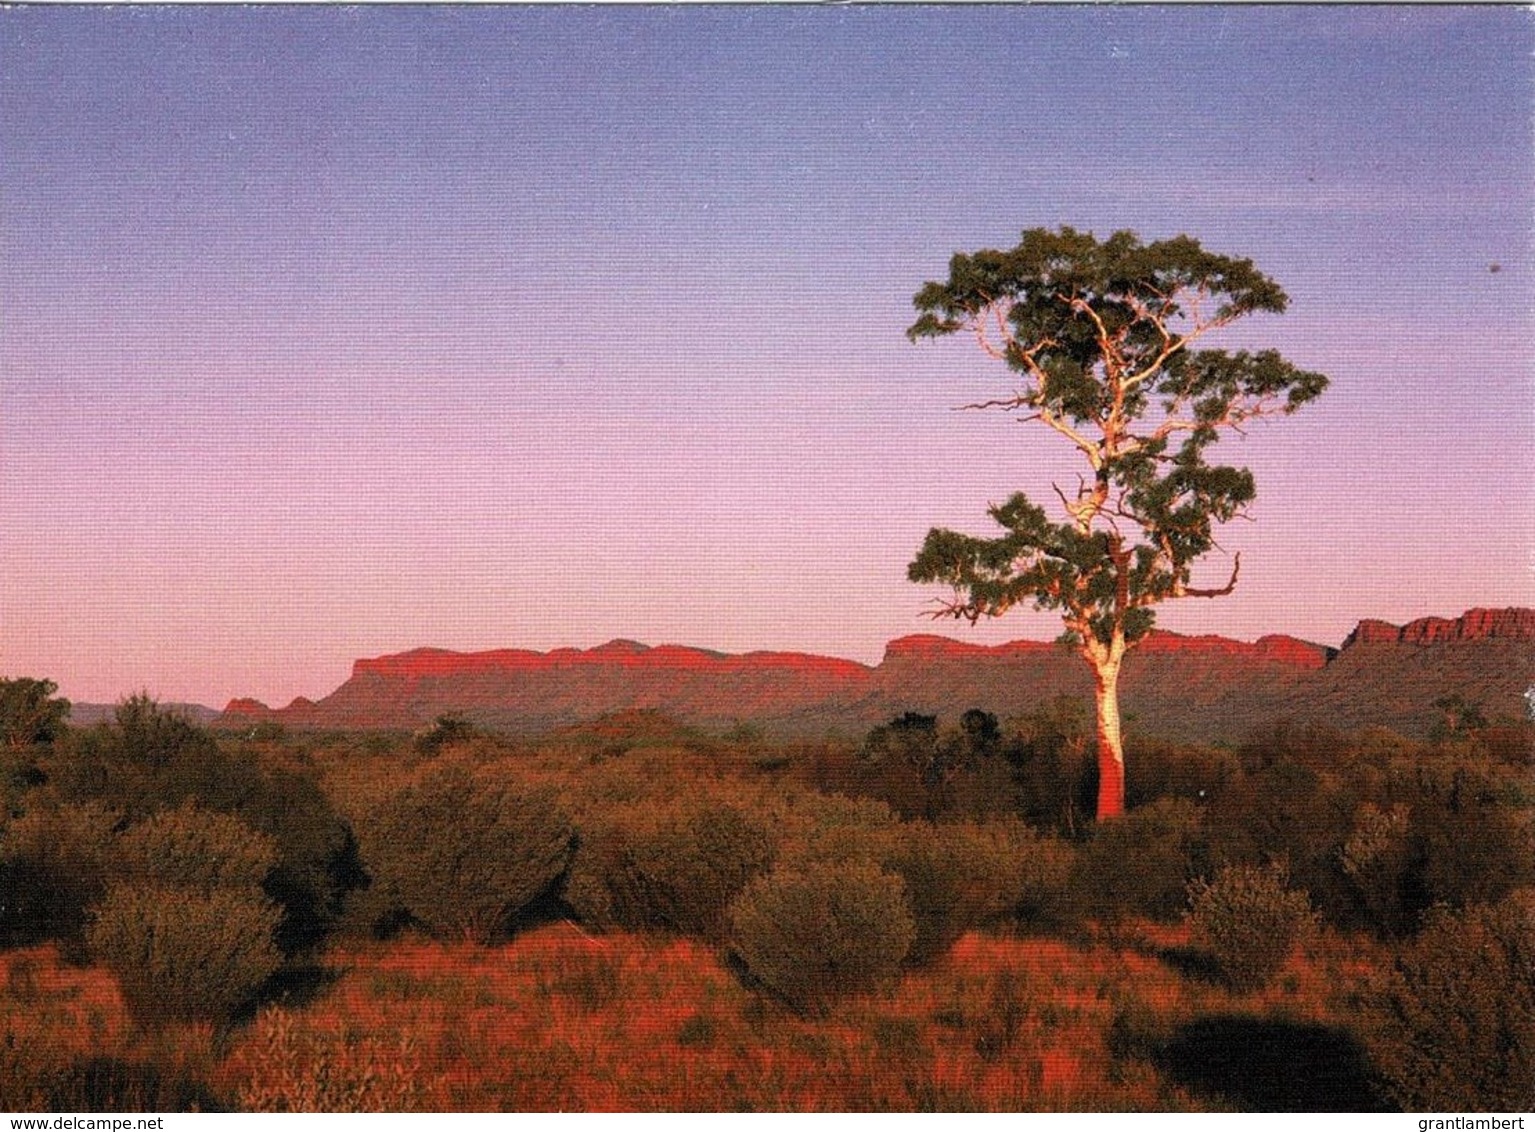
(88, 715)
(1188, 687)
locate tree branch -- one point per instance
(1190, 591)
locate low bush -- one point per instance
(54, 864)
(1140, 864)
(1452, 1026)
(192, 848)
(183, 954)
(957, 877)
(1248, 919)
(463, 853)
(814, 933)
(689, 867)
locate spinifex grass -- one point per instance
(560, 1020)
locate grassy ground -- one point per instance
(558, 1019)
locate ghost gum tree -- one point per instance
(1101, 339)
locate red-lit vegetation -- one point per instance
(632, 915)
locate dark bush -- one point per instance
(1140, 864)
(1452, 1026)
(1248, 919)
(1474, 845)
(106, 1084)
(814, 933)
(30, 714)
(1055, 772)
(150, 758)
(183, 954)
(957, 877)
(686, 869)
(55, 863)
(463, 853)
(1288, 811)
(1169, 770)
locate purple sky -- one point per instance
(330, 332)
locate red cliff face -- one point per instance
(929, 647)
(441, 663)
(1275, 649)
(1174, 685)
(245, 708)
(1473, 625)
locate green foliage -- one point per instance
(1248, 919)
(30, 715)
(1452, 1026)
(448, 730)
(181, 953)
(1101, 336)
(1297, 810)
(198, 850)
(463, 852)
(1378, 860)
(923, 771)
(689, 867)
(1470, 843)
(672, 862)
(1051, 749)
(1141, 864)
(55, 862)
(149, 758)
(813, 933)
(958, 877)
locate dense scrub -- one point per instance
(213, 873)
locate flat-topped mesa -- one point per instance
(1275, 649)
(247, 708)
(931, 646)
(439, 663)
(1473, 625)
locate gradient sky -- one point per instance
(332, 332)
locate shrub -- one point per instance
(150, 758)
(1140, 864)
(689, 868)
(183, 954)
(1377, 858)
(107, 1084)
(54, 864)
(1248, 919)
(813, 933)
(196, 849)
(464, 853)
(1452, 1026)
(957, 877)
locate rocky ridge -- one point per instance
(1201, 687)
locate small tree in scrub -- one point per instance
(1248, 919)
(183, 954)
(1452, 1026)
(463, 852)
(813, 933)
